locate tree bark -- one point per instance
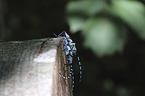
(33, 68)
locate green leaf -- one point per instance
(103, 36)
(77, 11)
(132, 12)
(76, 23)
(88, 7)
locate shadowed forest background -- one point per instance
(109, 35)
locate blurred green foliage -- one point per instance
(121, 91)
(104, 23)
(108, 85)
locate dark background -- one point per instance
(117, 75)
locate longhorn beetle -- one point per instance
(70, 52)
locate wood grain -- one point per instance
(33, 68)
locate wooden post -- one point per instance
(33, 68)
(65, 85)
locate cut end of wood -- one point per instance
(33, 68)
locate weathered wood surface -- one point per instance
(32, 68)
